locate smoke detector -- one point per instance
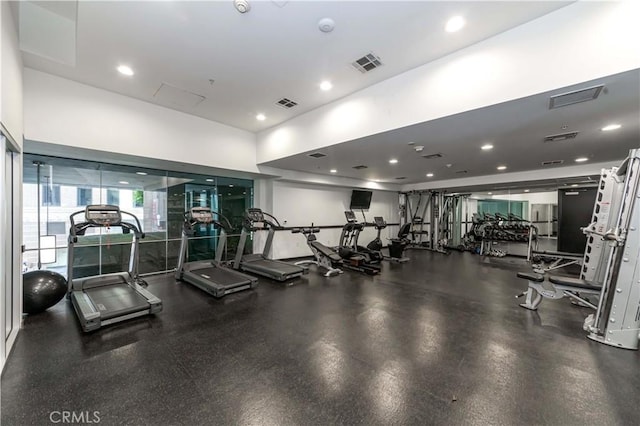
(326, 25)
(242, 6)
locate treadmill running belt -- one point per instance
(116, 300)
(274, 265)
(221, 276)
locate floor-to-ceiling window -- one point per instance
(157, 198)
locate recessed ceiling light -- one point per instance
(209, 180)
(489, 193)
(611, 127)
(526, 190)
(455, 24)
(141, 173)
(429, 174)
(581, 159)
(574, 185)
(326, 85)
(230, 185)
(333, 171)
(486, 147)
(393, 161)
(261, 117)
(244, 193)
(125, 70)
(502, 167)
(123, 182)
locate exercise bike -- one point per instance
(397, 246)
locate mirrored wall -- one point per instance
(503, 219)
(54, 188)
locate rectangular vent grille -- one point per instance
(401, 178)
(432, 156)
(561, 137)
(575, 97)
(359, 167)
(552, 162)
(286, 103)
(317, 155)
(367, 63)
(461, 172)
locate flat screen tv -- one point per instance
(360, 200)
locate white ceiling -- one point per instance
(515, 128)
(274, 51)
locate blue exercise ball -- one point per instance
(42, 290)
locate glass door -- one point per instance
(7, 236)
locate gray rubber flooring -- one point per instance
(439, 340)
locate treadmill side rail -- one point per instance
(87, 313)
(155, 304)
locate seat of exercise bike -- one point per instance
(531, 276)
(573, 282)
(325, 250)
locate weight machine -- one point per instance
(610, 266)
(443, 229)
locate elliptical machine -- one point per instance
(357, 257)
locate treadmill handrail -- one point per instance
(226, 225)
(80, 228)
(270, 224)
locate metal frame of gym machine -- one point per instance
(105, 299)
(259, 263)
(611, 263)
(614, 258)
(212, 276)
(444, 228)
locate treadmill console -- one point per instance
(379, 222)
(351, 216)
(201, 214)
(103, 215)
(255, 215)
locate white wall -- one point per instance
(64, 112)
(11, 110)
(10, 76)
(579, 42)
(300, 204)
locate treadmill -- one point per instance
(210, 276)
(255, 220)
(110, 298)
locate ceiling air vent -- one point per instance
(401, 178)
(286, 103)
(461, 172)
(432, 156)
(317, 155)
(359, 167)
(561, 137)
(367, 63)
(552, 162)
(575, 97)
